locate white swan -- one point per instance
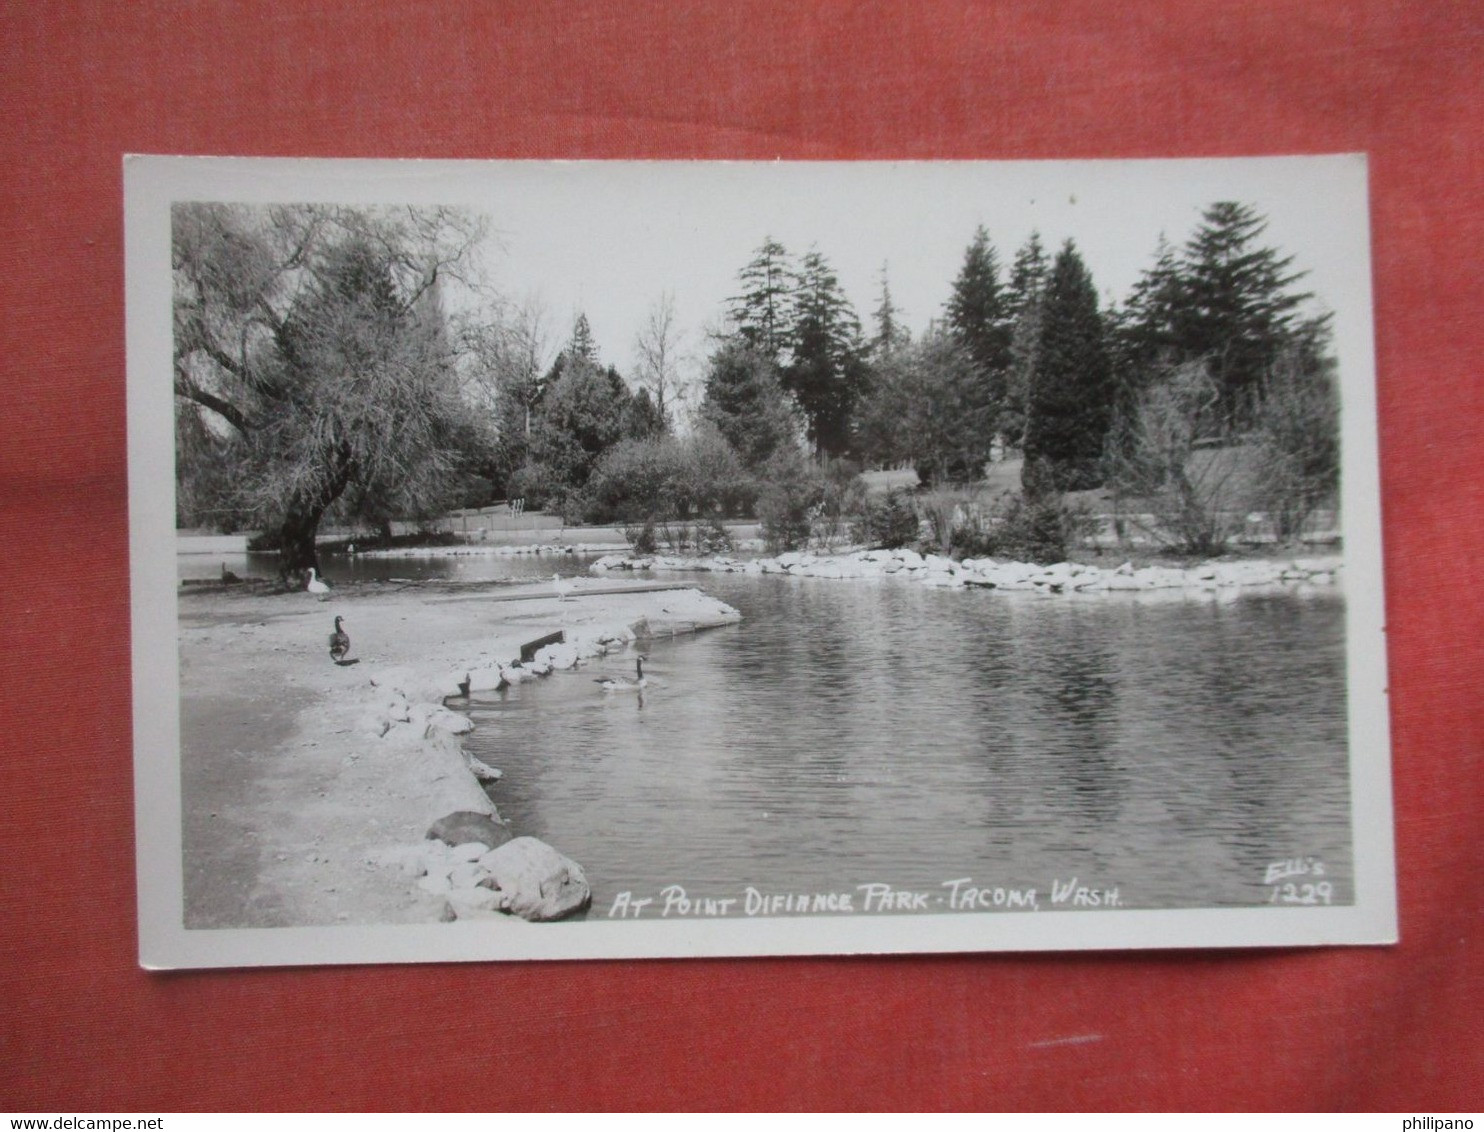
(624, 683)
(316, 586)
(562, 586)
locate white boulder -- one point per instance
(538, 882)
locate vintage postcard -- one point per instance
(556, 560)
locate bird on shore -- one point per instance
(229, 578)
(624, 683)
(562, 586)
(339, 642)
(317, 586)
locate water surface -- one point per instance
(849, 733)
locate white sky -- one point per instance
(608, 238)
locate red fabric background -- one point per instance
(82, 1028)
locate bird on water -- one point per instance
(317, 585)
(625, 683)
(339, 642)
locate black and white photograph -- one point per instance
(653, 559)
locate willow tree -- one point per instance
(312, 362)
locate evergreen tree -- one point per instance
(1146, 331)
(581, 344)
(642, 419)
(1142, 336)
(891, 333)
(1236, 308)
(1023, 304)
(762, 313)
(745, 401)
(1027, 277)
(925, 409)
(826, 373)
(1070, 403)
(579, 417)
(979, 320)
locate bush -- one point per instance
(889, 521)
(792, 489)
(1039, 530)
(641, 539)
(713, 538)
(1297, 436)
(1194, 489)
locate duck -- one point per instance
(624, 683)
(317, 586)
(562, 586)
(339, 642)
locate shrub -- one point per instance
(641, 538)
(1042, 529)
(1194, 489)
(889, 521)
(1298, 444)
(792, 489)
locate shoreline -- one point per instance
(1210, 577)
(318, 815)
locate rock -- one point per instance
(464, 826)
(468, 852)
(483, 771)
(539, 882)
(465, 900)
(467, 874)
(435, 718)
(490, 678)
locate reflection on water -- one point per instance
(853, 733)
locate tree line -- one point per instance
(320, 373)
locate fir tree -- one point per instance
(1236, 308)
(1070, 402)
(827, 373)
(979, 320)
(745, 401)
(581, 344)
(891, 335)
(1023, 304)
(761, 314)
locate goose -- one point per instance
(624, 683)
(317, 586)
(229, 578)
(562, 586)
(339, 642)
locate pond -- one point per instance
(1162, 752)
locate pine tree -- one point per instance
(979, 320)
(1070, 402)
